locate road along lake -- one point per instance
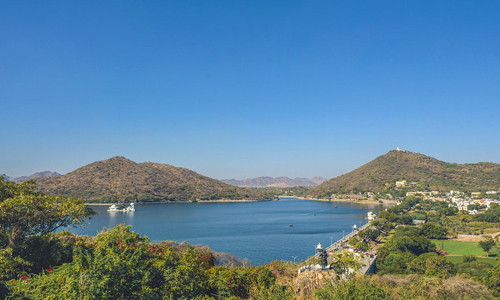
(259, 231)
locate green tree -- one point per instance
(25, 212)
(186, 279)
(437, 266)
(487, 244)
(353, 241)
(372, 233)
(362, 246)
(118, 264)
(419, 264)
(394, 263)
(433, 231)
(477, 269)
(389, 216)
(493, 278)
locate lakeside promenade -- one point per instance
(339, 246)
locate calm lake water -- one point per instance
(259, 231)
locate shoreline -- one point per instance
(177, 202)
(365, 201)
(385, 201)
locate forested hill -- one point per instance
(120, 179)
(424, 171)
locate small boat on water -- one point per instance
(115, 208)
(291, 225)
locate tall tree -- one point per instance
(487, 244)
(25, 212)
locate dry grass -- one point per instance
(417, 287)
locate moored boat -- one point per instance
(114, 208)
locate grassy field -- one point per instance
(465, 248)
(460, 248)
(459, 259)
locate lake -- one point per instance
(259, 231)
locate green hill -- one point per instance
(427, 172)
(120, 179)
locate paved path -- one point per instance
(338, 247)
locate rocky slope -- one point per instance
(120, 179)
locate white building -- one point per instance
(400, 183)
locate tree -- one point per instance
(493, 278)
(353, 241)
(362, 246)
(341, 264)
(117, 264)
(433, 231)
(487, 244)
(25, 212)
(474, 268)
(372, 233)
(393, 263)
(438, 266)
(389, 216)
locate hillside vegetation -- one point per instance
(425, 171)
(120, 179)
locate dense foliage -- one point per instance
(26, 214)
(121, 264)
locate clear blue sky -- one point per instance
(239, 89)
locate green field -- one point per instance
(459, 259)
(460, 248)
(464, 248)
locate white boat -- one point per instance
(114, 208)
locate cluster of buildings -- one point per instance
(459, 199)
(462, 203)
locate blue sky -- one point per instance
(239, 89)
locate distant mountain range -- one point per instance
(34, 176)
(275, 182)
(120, 179)
(413, 167)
